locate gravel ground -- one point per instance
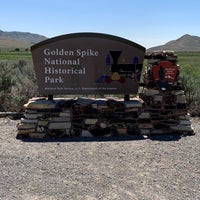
(155, 168)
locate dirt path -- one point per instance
(156, 168)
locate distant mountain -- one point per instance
(184, 43)
(15, 39)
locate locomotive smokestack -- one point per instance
(115, 55)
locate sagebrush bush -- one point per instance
(191, 87)
(17, 84)
(190, 78)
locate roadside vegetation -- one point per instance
(190, 77)
(18, 81)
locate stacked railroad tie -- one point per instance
(163, 95)
(82, 117)
(105, 117)
(45, 118)
(85, 117)
(165, 112)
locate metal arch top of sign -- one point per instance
(87, 63)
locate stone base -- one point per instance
(84, 117)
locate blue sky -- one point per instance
(148, 23)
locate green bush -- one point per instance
(191, 87)
(17, 84)
(190, 78)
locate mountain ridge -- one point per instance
(17, 39)
(184, 43)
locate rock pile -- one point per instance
(46, 118)
(160, 108)
(104, 117)
(80, 117)
(163, 95)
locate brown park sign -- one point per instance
(87, 63)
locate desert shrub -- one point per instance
(5, 78)
(192, 91)
(6, 83)
(17, 84)
(191, 87)
(190, 78)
